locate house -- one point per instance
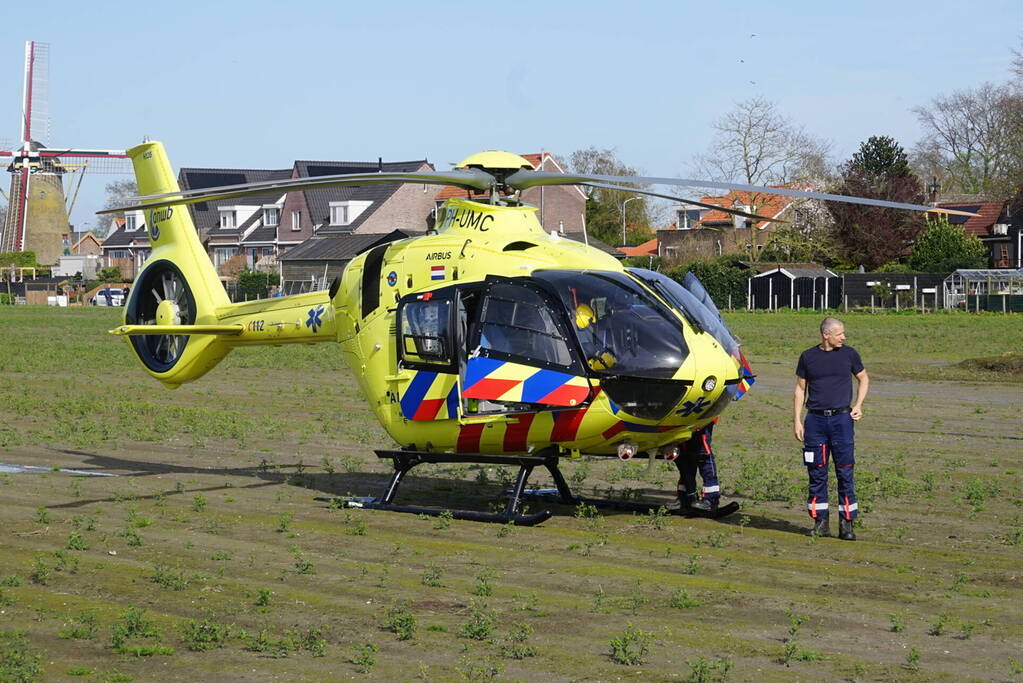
(253, 232)
(998, 226)
(85, 244)
(127, 245)
(244, 227)
(707, 233)
(560, 208)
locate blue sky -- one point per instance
(259, 84)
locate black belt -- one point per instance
(829, 412)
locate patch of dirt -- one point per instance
(1008, 363)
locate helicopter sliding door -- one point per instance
(518, 354)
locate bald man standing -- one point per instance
(824, 380)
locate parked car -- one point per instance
(110, 296)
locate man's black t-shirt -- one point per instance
(828, 376)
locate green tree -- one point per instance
(791, 244)
(256, 285)
(110, 274)
(21, 259)
(944, 247)
(872, 235)
(604, 207)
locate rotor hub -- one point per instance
(168, 313)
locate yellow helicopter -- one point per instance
(486, 340)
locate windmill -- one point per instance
(37, 212)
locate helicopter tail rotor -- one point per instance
(177, 289)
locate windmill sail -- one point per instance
(37, 215)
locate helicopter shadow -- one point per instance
(435, 491)
(422, 488)
(744, 519)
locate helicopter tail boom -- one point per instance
(178, 318)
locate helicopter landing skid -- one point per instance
(405, 460)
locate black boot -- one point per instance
(705, 505)
(683, 503)
(820, 526)
(845, 529)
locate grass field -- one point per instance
(208, 557)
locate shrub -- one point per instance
(17, 662)
(631, 647)
(200, 636)
(401, 621)
(480, 625)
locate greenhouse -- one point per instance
(985, 290)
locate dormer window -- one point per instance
(345, 213)
(339, 214)
(131, 222)
(228, 219)
(271, 215)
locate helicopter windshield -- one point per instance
(699, 315)
(622, 330)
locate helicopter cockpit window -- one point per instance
(698, 315)
(516, 321)
(426, 332)
(622, 329)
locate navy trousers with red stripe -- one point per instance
(826, 440)
(697, 454)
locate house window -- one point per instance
(296, 220)
(131, 222)
(271, 215)
(339, 214)
(228, 219)
(347, 212)
(222, 254)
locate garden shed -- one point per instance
(794, 288)
(985, 289)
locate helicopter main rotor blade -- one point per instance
(520, 180)
(714, 207)
(470, 178)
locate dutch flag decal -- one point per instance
(436, 272)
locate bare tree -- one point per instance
(1017, 61)
(116, 191)
(973, 140)
(756, 144)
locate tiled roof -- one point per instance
(976, 225)
(123, 238)
(770, 205)
(319, 200)
(645, 249)
(206, 215)
(264, 233)
(815, 271)
(338, 247)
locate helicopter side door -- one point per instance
(426, 330)
(518, 353)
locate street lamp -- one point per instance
(623, 216)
